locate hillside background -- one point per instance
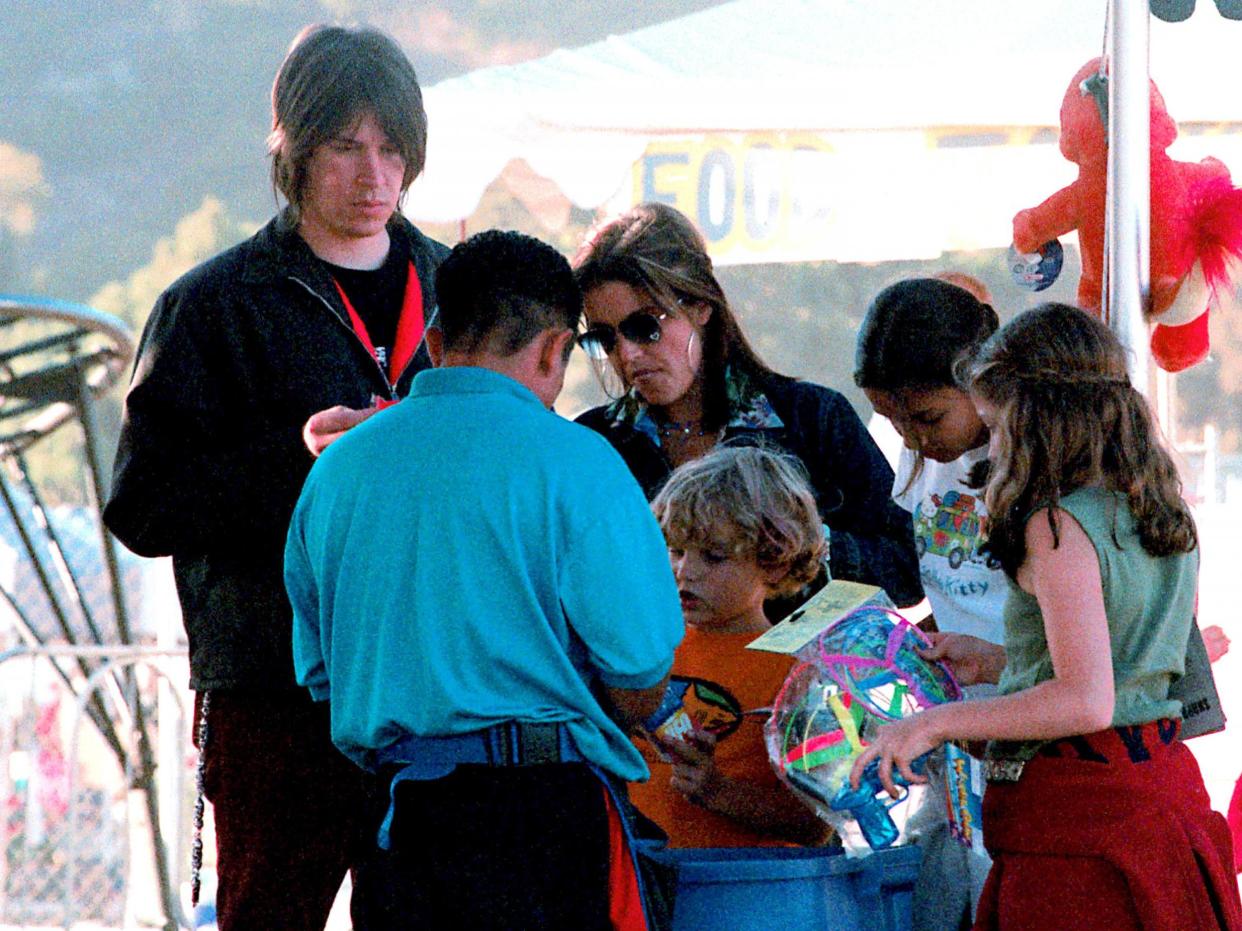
(132, 147)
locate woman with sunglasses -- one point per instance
(684, 378)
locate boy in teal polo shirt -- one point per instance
(483, 596)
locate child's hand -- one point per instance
(899, 744)
(694, 766)
(1216, 641)
(972, 659)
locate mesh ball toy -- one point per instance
(872, 654)
(866, 671)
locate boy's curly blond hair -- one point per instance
(748, 502)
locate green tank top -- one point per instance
(1149, 601)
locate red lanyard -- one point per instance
(409, 326)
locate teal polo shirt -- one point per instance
(468, 557)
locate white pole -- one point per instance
(1207, 480)
(1129, 183)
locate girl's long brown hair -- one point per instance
(1067, 418)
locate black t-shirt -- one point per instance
(377, 296)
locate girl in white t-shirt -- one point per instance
(914, 335)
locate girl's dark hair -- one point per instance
(1068, 417)
(329, 78)
(656, 249)
(916, 331)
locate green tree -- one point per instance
(23, 192)
(22, 188)
(57, 463)
(197, 236)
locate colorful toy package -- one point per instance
(865, 671)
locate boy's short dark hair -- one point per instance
(498, 290)
(330, 77)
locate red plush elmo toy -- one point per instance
(1196, 222)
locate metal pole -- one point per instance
(146, 777)
(94, 466)
(1129, 183)
(73, 588)
(100, 714)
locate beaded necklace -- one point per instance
(681, 428)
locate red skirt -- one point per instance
(1235, 823)
(1111, 831)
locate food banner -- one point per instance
(847, 197)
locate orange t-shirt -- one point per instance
(733, 679)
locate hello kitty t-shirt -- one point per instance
(966, 588)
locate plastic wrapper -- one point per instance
(865, 671)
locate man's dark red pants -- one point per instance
(291, 813)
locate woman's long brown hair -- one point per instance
(655, 248)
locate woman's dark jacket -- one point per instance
(235, 357)
(872, 539)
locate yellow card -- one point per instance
(831, 603)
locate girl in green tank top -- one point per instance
(1088, 523)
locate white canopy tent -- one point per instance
(858, 130)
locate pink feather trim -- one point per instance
(1215, 228)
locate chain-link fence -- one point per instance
(94, 761)
(96, 821)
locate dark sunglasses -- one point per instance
(642, 327)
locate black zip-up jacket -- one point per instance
(872, 539)
(235, 357)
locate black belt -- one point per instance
(514, 743)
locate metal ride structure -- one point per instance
(57, 360)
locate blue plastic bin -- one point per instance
(787, 888)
